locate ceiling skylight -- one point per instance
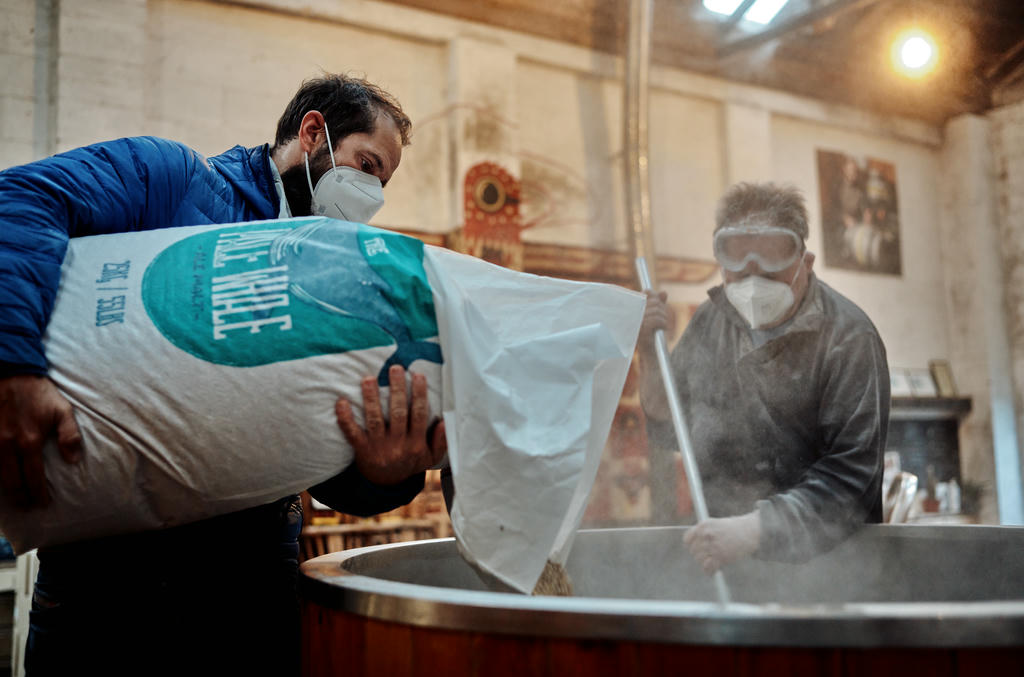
(726, 7)
(762, 11)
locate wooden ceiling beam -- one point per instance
(1006, 66)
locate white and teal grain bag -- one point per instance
(203, 364)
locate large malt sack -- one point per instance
(203, 364)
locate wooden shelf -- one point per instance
(929, 408)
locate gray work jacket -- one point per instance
(795, 427)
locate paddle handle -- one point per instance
(682, 432)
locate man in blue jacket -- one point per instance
(217, 595)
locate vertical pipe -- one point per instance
(638, 208)
(635, 141)
(44, 119)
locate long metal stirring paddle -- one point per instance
(682, 432)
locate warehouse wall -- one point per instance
(214, 74)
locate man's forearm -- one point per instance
(349, 492)
(652, 388)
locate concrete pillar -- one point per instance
(17, 91)
(481, 92)
(978, 333)
(100, 71)
(485, 140)
(1006, 136)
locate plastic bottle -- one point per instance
(954, 497)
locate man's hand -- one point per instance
(389, 451)
(716, 542)
(657, 315)
(31, 410)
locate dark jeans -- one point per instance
(217, 597)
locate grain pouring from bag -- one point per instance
(554, 581)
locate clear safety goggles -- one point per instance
(772, 248)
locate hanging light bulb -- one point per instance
(914, 53)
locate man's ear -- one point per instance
(809, 260)
(311, 131)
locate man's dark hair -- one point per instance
(750, 204)
(349, 105)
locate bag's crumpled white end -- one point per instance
(533, 372)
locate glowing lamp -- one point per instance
(914, 53)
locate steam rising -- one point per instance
(881, 563)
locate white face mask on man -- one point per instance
(761, 301)
(344, 192)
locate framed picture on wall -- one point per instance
(859, 213)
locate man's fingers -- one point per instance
(420, 408)
(399, 401)
(25, 465)
(375, 427)
(394, 444)
(69, 438)
(705, 554)
(701, 541)
(347, 422)
(31, 411)
(657, 318)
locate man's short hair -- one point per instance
(349, 105)
(765, 204)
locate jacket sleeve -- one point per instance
(351, 493)
(118, 186)
(842, 489)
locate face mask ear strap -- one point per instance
(330, 147)
(309, 179)
(803, 255)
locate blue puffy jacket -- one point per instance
(125, 185)
(131, 184)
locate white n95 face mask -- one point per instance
(344, 192)
(761, 301)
